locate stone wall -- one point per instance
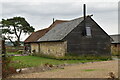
(34, 47)
(115, 49)
(56, 49)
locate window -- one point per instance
(115, 45)
(88, 31)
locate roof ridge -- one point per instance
(61, 20)
(41, 29)
(76, 18)
(115, 35)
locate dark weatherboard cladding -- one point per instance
(96, 44)
(81, 40)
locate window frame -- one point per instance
(88, 31)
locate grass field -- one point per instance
(32, 61)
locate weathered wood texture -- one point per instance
(79, 44)
(13, 49)
(0, 59)
(2, 51)
(2, 46)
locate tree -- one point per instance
(14, 27)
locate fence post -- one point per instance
(2, 54)
(0, 59)
(3, 48)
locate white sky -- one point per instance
(39, 13)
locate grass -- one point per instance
(89, 70)
(77, 57)
(33, 61)
(86, 70)
(12, 53)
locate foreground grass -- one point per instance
(89, 70)
(33, 61)
(12, 53)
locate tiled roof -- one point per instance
(38, 34)
(116, 38)
(61, 30)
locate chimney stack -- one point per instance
(84, 10)
(53, 20)
(84, 15)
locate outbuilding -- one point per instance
(80, 36)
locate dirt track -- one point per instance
(88, 70)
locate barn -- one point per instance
(80, 36)
(115, 44)
(76, 37)
(116, 40)
(31, 43)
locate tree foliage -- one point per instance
(14, 27)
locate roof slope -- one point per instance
(116, 38)
(38, 34)
(61, 30)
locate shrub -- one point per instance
(86, 57)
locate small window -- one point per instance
(115, 45)
(88, 31)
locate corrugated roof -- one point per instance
(116, 38)
(38, 34)
(61, 30)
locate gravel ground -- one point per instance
(87, 70)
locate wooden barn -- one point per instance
(116, 40)
(80, 36)
(73, 38)
(115, 44)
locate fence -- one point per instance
(14, 49)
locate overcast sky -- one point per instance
(39, 13)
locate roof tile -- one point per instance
(38, 34)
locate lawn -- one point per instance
(32, 61)
(12, 53)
